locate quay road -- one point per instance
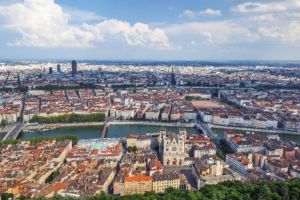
(275, 131)
(154, 123)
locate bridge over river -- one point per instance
(208, 132)
(18, 128)
(14, 132)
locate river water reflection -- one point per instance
(90, 132)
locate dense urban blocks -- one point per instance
(241, 165)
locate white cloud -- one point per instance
(263, 18)
(210, 12)
(206, 13)
(137, 35)
(43, 23)
(193, 43)
(270, 32)
(188, 14)
(268, 6)
(221, 32)
(275, 21)
(81, 16)
(289, 33)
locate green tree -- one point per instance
(264, 193)
(132, 149)
(74, 140)
(69, 118)
(3, 123)
(52, 176)
(225, 147)
(7, 196)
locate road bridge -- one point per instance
(104, 130)
(14, 132)
(207, 131)
(106, 123)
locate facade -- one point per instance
(210, 171)
(122, 113)
(171, 147)
(277, 166)
(289, 153)
(165, 114)
(200, 151)
(240, 162)
(291, 124)
(152, 113)
(137, 185)
(229, 118)
(274, 151)
(141, 141)
(163, 181)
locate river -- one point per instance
(2, 136)
(90, 132)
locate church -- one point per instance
(172, 147)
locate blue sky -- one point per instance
(150, 30)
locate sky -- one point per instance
(150, 29)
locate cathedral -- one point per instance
(171, 147)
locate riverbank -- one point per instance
(6, 129)
(283, 132)
(152, 123)
(45, 127)
(284, 137)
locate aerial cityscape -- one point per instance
(143, 121)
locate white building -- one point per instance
(240, 162)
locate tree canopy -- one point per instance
(69, 118)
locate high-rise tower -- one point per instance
(58, 68)
(173, 80)
(74, 68)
